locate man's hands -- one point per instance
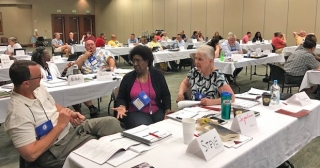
(87, 54)
(121, 111)
(76, 118)
(66, 115)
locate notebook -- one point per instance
(146, 134)
(181, 114)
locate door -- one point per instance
(74, 27)
(58, 26)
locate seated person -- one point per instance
(50, 70)
(91, 62)
(158, 36)
(114, 42)
(31, 106)
(178, 42)
(100, 42)
(205, 80)
(299, 62)
(164, 36)
(154, 43)
(229, 47)
(200, 36)
(257, 37)
(215, 44)
(71, 40)
(58, 46)
(143, 41)
(279, 42)
(13, 44)
(246, 38)
(299, 37)
(88, 36)
(195, 35)
(133, 40)
(145, 79)
(217, 35)
(183, 36)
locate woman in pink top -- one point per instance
(145, 81)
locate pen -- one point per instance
(284, 103)
(196, 135)
(179, 118)
(154, 135)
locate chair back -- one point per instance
(4, 40)
(277, 73)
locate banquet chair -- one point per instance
(56, 53)
(113, 98)
(277, 73)
(4, 41)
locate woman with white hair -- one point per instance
(205, 81)
(13, 44)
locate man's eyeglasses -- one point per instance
(138, 61)
(39, 77)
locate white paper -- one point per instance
(5, 61)
(301, 99)
(75, 79)
(57, 58)
(236, 57)
(245, 123)
(245, 103)
(235, 142)
(187, 103)
(255, 91)
(181, 114)
(206, 146)
(121, 157)
(104, 76)
(20, 52)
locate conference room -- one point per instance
(261, 42)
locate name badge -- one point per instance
(141, 100)
(199, 96)
(44, 129)
(93, 60)
(49, 77)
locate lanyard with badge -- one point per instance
(143, 99)
(199, 95)
(49, 76)
(93, 61)
(233, 48)
(44, 128)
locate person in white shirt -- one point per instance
(44, 132)
(13, 44)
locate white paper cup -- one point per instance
(188, 127)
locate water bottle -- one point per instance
(275, 93)
(75, 69)
(221, 56)
(249, 54)
(226, 105)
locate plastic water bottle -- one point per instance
(275, 93)
(75, 69)
(221, 56)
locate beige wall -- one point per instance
(238, 16)
(21, 17)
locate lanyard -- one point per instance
(149, 91)
(48, 70)
(33, 114)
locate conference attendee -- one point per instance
(279, 42)
(229, 47)
(58, 45)
(101, 40)
(34, 38)
(44, 132)
(92, 61)
(205, 81)
(13, 44)
(143, 41)
(133, 40)
(215, 44)
(195, 35)
(299, 37)
(87, 37)
(246, 38)
(201, 38)
(257, 37)
(154, 42)
(147, 81)
(183, 36)
(114, 42)
(178, 42)
(158, 35)
(299, 62)
(71, 40)
(164, 36)
(217, 35)
(50, 71)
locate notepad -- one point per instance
(181, 114)
(146, 134)
(243, 103)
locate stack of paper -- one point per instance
(181, 114)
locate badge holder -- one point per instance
(199, 96)
(141, 100)
(44, 129)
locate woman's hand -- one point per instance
(207, 102)
(168, 111)
(121, 111)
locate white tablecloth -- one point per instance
(70, 95)
(229, 67)
(4, 72)
(311, 78)
(254, 46)
(114, 51)
(279, 137)
(165, 43)
(288, 50)
(165, 55)
(3, 49)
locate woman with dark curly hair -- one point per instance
(257, 37)
(146, 83)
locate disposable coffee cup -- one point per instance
(266, 98)
(188, 128)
